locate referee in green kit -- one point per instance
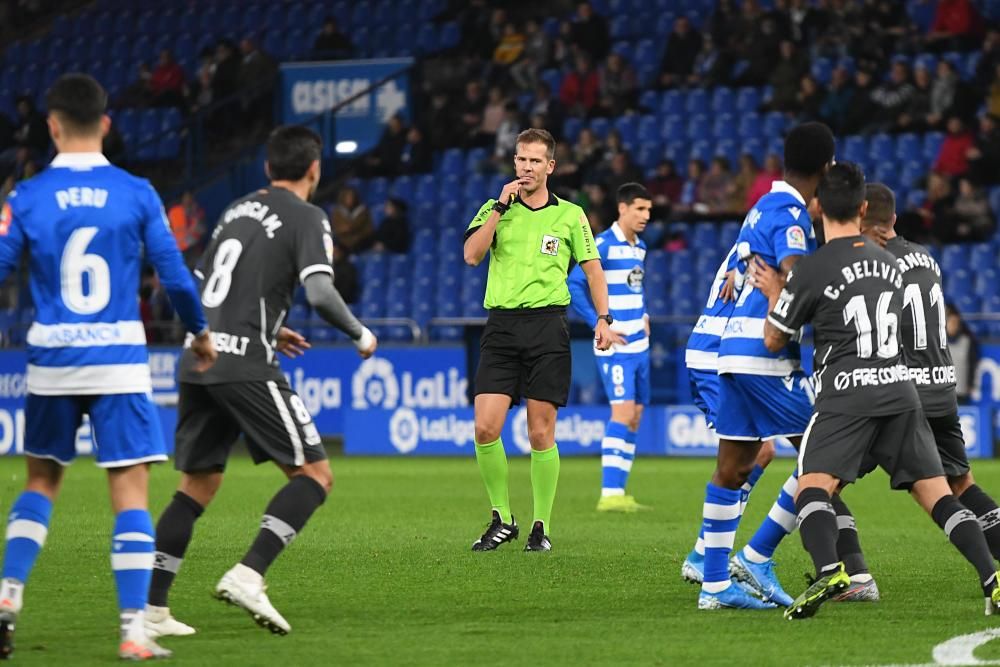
(531, 235)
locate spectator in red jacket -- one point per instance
(956, 26)
(581, 88)
(953, 158)
(762, 183)
(167, 81)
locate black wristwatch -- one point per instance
(500, 208)
(607, 318)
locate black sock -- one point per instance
(173, 534)
(848, 546)
(818, 527)
(962, 528)
(284, 517)
(985, 509)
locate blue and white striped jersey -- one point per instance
(778, 226)
(85, 225)
(624, 269)
(703, 344)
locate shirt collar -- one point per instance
(783, 186)
(553, 201)
(617, 231)
(80, 160)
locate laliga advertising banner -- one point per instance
(332, 383)
(309, 89)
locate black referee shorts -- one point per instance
(525, 352)
(849, 447)
(272, 418)
(950, 441)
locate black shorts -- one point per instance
(276, 424)
(849, 447)
(526, 353)
(950, 443)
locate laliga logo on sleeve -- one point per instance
(375, 385)
(795, 238)
(404, 430)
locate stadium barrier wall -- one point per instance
(414, 401)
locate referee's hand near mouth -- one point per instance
(531, 235)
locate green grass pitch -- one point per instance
(383, 575)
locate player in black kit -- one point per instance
(925, 348)
(867, 411)
(263, 246)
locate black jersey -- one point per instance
(262, 247)
(851, 291)
(925, 341)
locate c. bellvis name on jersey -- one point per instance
(263, 245)
(925, 340)
(624, 269)
(703, 344)
(777, 227)
(85, 225)
(851, 291)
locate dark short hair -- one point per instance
(841, 191)
(291, 150)
(881, 204)
(78, 100)
(629, 192)
(809, 147)
(538, 136)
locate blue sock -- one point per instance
(27, 526)
(132, 557)
(613, 461)
(778, 523)
(628, 455)
(721, 518)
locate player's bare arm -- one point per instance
(479, 242)
(603, 334)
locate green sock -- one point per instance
(544, 478)
(492, 462)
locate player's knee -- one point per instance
(959, 484)
(541, 436)
(732, 474)
(487, 433)
(634, 419)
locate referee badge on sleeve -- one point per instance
(550, 245)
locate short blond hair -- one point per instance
(538, 136)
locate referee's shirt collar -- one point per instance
(553, 201)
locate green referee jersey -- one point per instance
(529, 258)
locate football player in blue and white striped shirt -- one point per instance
(624, 368)
(87, 226)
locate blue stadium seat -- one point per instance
(775, 123)
(982, 256)
(932, 145)
(697, 101)
(881, 148)
(723, 100)
(754, 147)
(169, 146)
(915, 198)
(628, 129)
(647, 130)
(600, 127)
(728, 233)
(673, 127)
(475, 187)
(908, 147)
(648, 154)
(649, 101)
(402, 188)
(571, 128)
(645, 53)
(887, 173)
(822, 69)
(621, 27)
(749, 125)
(953, 258)
(672, 102)
(425, 190)
(724, 126)
(748, 99)
(698, 128)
